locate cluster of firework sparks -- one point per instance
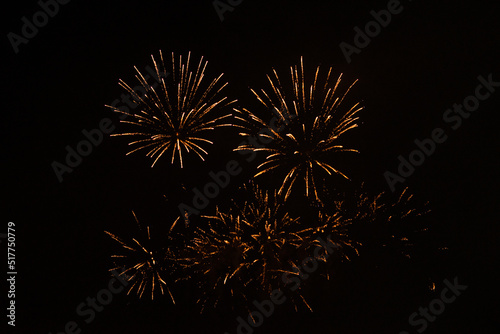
(175, 117)
(245, 247)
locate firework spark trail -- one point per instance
(320, 118)
(401, 211)
(383, 220)
(177, 115)
(144, 264)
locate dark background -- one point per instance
(428, 58)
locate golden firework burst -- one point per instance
(175, 116)
(245, 249)
(315, 116)
(144, 264)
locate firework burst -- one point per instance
(335, 228)
(144, 263)
(246, 249)
(220, 256)
(174, 117)
(315, 116)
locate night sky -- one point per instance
(425, 60)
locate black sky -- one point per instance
(428, 58)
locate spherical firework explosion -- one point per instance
(246, 249)
(175, 116)
(313, 118)
(144, 264)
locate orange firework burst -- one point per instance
(336, 228)
(315, 116)
(176, 116)
(220, 256)
(246, 249)
(144, 263)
